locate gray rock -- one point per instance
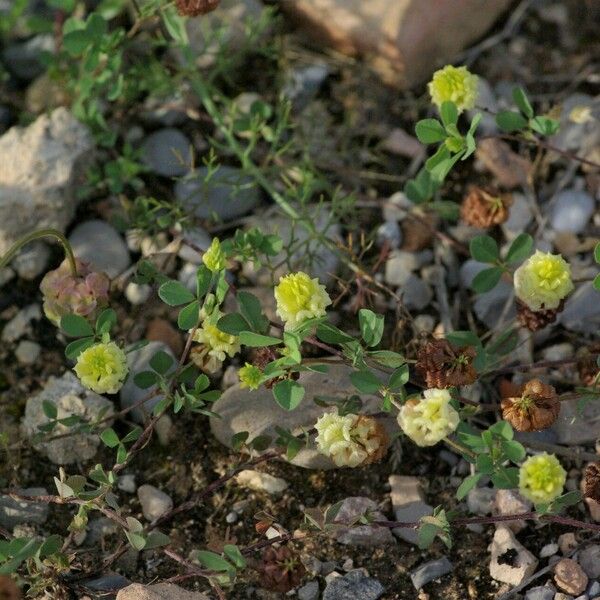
(167, 152)
(430, 571)
(582, 310)
(579, 124)
(309, 591)
(14, 512)
(519, 217)
(231, 517)
(228, 194)
(401, 264)
(99, 529)
(27, 352)
(480, 500)
(106, 583)
(511, 562)
(589, 560)
(130, 394)
(542, 592)
(6, 275)
(353, 586)
(188, 276)
(256, 412)
(126, 483)
(362, 535)
(40, 168)
(409, 505)
(303, 83)
(558, 351)
(32, 260)
(572, 211)
(199, 239)
(416, 293)
(593, 590)
(549, 550)
(24, 58)
(324, 261)
(510, 502)
(154, 501)
(20, 324)
(101, 245)
(159, 591)
(391, 233)
(485, 99)
(574, 427)
(70, 398)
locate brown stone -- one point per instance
(403, 40)
(160, 591)
(570, 577)
(160, 330)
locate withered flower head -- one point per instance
(442, 365)
(535, 409)
(534, 320)
(194, 8)
(485, 208)
(591, 481)
(281, 570)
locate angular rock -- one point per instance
(261, 482)
(571, 211)
(14, 512)
(362, 535)
(159, 591)
(434, 569)
(154, 501)
(582, 310)
(409, 505)
(31, 260)
(256, 412)
(40, 168)
(510, 502)
(70, 398)
(480, 500)
(19, 325)
(570, 577)
(404, 41)
(309, 591)
(100, 244)
(27, 352)
(589, 559)
(130, 394)
(228, 193)
(542, 592)
(353, 586)
(167, 152)
(574, 426)
(510, 562)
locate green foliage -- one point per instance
(525, 120)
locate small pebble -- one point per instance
(27, 352)
(137, 293)
(549, 550)
(126, 483)
(231, 517)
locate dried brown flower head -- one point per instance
(281, 570)
(485, 208)
(9, 589)
(373, 436)
(535, 409)
(534, 320)
(587, 365)
(442, 365)
(194, 8)
(591, 481)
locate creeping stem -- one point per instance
(5, 260)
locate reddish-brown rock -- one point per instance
(404, 40)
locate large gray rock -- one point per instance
(70, 398)
(362, 535)
(227, 194)
(408, 502)
(40, 168)
(14, 512)
(154, 502)
(101, 245)
(256, 412)
(571, 211)
(167, 152)
(353, 586)
(24, 59)
(434, 569)
(582, 310)
(130, 394)
(511, 562)
(575, 427)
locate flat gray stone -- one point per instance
(589, 560)
(541, 592)
(574, 427)
(70, 398)
(40, 168)
(572, 211)
(24, 59)
(14, 512)
(430, 571)
(167, 152)
(256, 412)
(101, 245)
(353, 586)
(409, 505)
(362, 535)
(130, 394)
(582, 310)
(309, 591)
(228, 193)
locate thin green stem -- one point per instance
(459, 447)
(5, 260)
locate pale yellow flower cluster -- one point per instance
(454, 84)
(542, 478)
(102, 368)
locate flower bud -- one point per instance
(454, 84)
(535, 409)
(250, 377)
(214, 257)
(300, 298)
(428, 420)
(85, 295)
(542, 478)
(102, 368)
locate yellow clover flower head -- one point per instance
(102, 368)
(218, 343)
(454, 84)
(428, 420)
(300, 298)
(214, 257)
(250, 376)
(541, 478)
(543, 280)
